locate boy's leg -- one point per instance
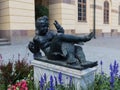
(80, 54)
(68, 50)
(81, 57)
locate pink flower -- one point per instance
(9, 88)
(22, 85)
(13, 86)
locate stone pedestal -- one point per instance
(82, 79)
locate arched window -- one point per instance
(119, 16)
(82, 10)
(106, 12)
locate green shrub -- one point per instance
(7, 75)
(40, 11)
(13, 71)
(108, 82)
(22, 69)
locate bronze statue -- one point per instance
(58, 46)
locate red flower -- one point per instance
(22, 85)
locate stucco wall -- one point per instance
(4, 15)
(17, 19)
(113, 16)
(21, 14)
(17, 15)
(55, 13)
(63, 12)
(67, 15)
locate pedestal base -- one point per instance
(82, 79)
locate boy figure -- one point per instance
(58, 46)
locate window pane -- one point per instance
(79, 18)
(84, 1)
(82, 10)
(79, 10)
(80, 14)
(79, 5)
(84, 18)
(107, 4)
(84, 6)
(84, 14)
(79, 0)
(106, 12)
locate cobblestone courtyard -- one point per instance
(106, 49)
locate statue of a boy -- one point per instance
(58, 46)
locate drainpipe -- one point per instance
(94, 19)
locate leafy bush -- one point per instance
(105, 82)
(40, 11)
(22, 69)
(7, 75)
(30, 81)
(13, 71)
(18, 75)
(24, 84)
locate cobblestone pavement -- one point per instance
(11, 52)
(106, 49)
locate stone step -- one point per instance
(4, 41)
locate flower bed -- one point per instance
(55, 83)
(108, 82)
(18, 75)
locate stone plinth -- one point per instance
(83, 79)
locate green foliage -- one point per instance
(10, 72)
(108, 82)
(56, 83)
(22, 69)
(2, 86)
(64, 87)
(40, 11)
(117, 84)
(102, 82)
(6, 74)
(30, 81)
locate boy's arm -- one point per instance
(58, 27)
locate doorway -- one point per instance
(41, 8)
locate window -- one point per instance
(106, 12)
(119, 16)
(82, 10)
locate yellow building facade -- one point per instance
(17, 17)
(67, 13)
